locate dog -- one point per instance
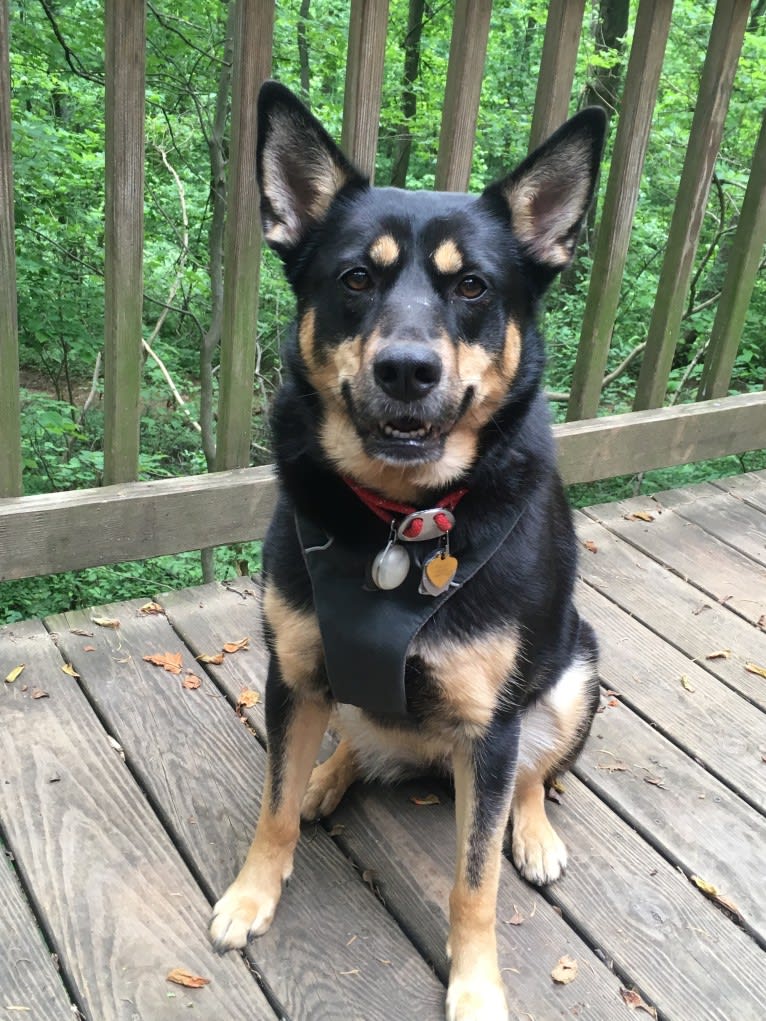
(419, 567)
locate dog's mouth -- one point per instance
(405, 440)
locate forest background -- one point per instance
(57, 98)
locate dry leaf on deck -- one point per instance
(69, 669)
(633, 1000)
(149, 608)
(614, 767)
(655, 781)
(82, 632)
(590, 545)
(639, 516)
(89, 648)
(170, 661)
(15, 674)
(239, 646)
(753, 668)
(191, 681)
(103, 622)
(715, 895)
(248, 698)
(686, 684)
(215, 658)
(39, 693)
(719, 654)
(182, 977)
(429, 799)
(565, 970)
(516, 918)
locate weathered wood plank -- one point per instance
(468, 50)
(61, 531)
(252, 43)
(409, 849)
(726, 36)
(623, 758)
(750, 488)
(636, 110)
(125, 70)
(720, 514)
(29, 982)
(203, 771)
(685, 956)
(647, 673)
(673, 609)
(119, 905)
(364, 82)
(709, 564)
(557, 68)
(741, 271)
(10, 408)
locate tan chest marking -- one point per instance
(471, 675)
(447, 257)
(297, 642)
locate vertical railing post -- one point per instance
(242, 238)
(726, 37)
(123, 234)
(10, 426)
(364, 82)
(467, 53)
(557, 68)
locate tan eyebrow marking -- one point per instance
(384, 251)
(447, 257)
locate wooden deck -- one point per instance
(127, 802)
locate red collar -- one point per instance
(389, 510)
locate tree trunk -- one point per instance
(403, 141)
(303, 49)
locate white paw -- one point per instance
(240, 915)
(538, 853)
(475, 1000)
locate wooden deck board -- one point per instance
(119, 860)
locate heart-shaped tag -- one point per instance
(440, 571)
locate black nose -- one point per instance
(407, 372)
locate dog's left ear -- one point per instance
(548, 195)
(300, 168)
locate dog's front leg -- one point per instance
(484, 776)
(296, 722)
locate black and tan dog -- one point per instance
(420, 564)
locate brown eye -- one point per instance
(357, 279)
(471, 287)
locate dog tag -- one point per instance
(433, 523)
(390, 567)
(438, 572)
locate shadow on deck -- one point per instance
(128, 799)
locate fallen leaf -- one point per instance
(191, 681)
(182, 977)
(149, 608)
(216, 658)
(103, 622)
(702, 884)
(70, 670)
(39, 693)
(429, 799)
(15, 674)
(89, 648)
(698, 611)
(686, 684)
(557, 785)
(81, 631)
(634, 1001)
(755, 669)
(719, 654)
(655, 781)
(639, 516)
(715, 895)
(614, 767)
(248, 698)
(170, 661)
(239, 646)
(565, 970)
(590, 545)
(337, 830)
(612, 703)
(516, 919)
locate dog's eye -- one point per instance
(357, 279)
(471, 287)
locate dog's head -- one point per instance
(416, 309)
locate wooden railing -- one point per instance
(126, 520)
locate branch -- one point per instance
(90, 399)
(75, 64)
(173, 389)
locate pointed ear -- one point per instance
(300, 169)
(549, 194)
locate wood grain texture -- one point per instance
(647, 673)
(684, 954)
(363, 96)
(697, 823)
(29, 982)
(203, 771)
(120, 907)
(673, 609)
(710, 565)
(557, 67)
(750, 488)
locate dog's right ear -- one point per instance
(300, 168)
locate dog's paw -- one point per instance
(326, 787)
(474, 1000)
(240, 915)
(538, 851)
